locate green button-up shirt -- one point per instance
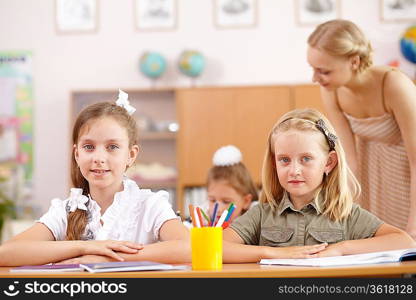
(287, 226)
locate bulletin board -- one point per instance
(16, 108)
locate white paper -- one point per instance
(356, 259)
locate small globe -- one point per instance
(408, 44)
(152, 64)
(191, 63)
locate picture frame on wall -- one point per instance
(76, 16)
(235, 13)
(398, 10)
(155, 14)
(314, 12)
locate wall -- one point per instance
(271, 53)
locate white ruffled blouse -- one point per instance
(135, 215)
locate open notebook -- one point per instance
(48, 268)
(100, 267)
(348, 260)
(125, 266)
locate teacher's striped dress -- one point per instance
(383, 168)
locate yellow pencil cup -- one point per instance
(206, 245)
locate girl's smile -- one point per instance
(296, 182)
(100, 173)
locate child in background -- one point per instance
(307, 204)
(229, 181)
(107, 217)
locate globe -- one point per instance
(191, 63)
(408, 44)
(152, 64)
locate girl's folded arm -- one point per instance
(174, 245)
(235, 251)
(173, 229)
(169, 252)
(36, 245)
(387, 237)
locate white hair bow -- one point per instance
(124, 102)
(227, 156)
(77, 200)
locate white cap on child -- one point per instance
(227, 156)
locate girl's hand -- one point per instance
(86, 259)
(109, 248)
(332, 250)
(411, 230)
(295, 251)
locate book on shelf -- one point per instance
(49, 268)
(125, 266)
(348, 260)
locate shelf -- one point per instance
(150, 135)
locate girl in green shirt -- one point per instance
(307, 204)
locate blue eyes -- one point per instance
(90, 147)
(286, 160)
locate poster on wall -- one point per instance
(235, 13)
(16, 115)
(398, 11)
(155, 14)
(76, 16)
(314, 12)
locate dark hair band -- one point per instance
(320, 125)
(330, 137)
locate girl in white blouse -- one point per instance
(107, 217)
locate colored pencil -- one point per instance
(230, 212)
(198, 224)
(201, 221)
(225, 224)
(191, 212)
(214, 214)
(222, 218)
(205, 216)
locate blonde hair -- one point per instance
(237, 176)
(338, 189)
(77, 220)
(342, 38)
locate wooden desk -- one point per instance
(242, 271)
